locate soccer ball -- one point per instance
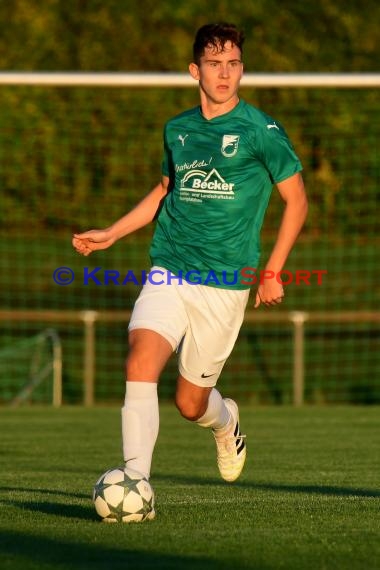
(123, 495)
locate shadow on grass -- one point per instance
(58, 492)
(282, 487)
(17, 549)
(186, 480)
(329, 490)
(67, 510)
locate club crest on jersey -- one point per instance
(230, 145)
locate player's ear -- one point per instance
(194, 71)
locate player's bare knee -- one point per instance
(137, 366)
(189, 409)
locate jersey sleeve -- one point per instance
(277, 153)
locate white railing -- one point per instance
(149, 79)
(88, 320)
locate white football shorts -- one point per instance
(200, 322)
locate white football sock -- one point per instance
(140, 422)
(217, 414)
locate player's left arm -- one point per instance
(292, 191)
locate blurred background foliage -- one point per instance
(120, 35)
(61, 150)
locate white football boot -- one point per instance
(230, 445)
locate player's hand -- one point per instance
(269, 293)
(93, 240)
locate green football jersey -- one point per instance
(221, 174)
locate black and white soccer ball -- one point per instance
(123, 495)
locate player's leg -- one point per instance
(206, 407)
(148, 355)
(156, 327)
(215, 318)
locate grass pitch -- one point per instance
(307, 499)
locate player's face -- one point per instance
(219, 74)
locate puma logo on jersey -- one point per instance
(182, 139)
(274, 126)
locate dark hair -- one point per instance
(216, 35)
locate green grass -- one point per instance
(308, 497)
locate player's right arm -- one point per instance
(141, 215)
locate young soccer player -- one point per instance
(221, 160)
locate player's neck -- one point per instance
(211, 109)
